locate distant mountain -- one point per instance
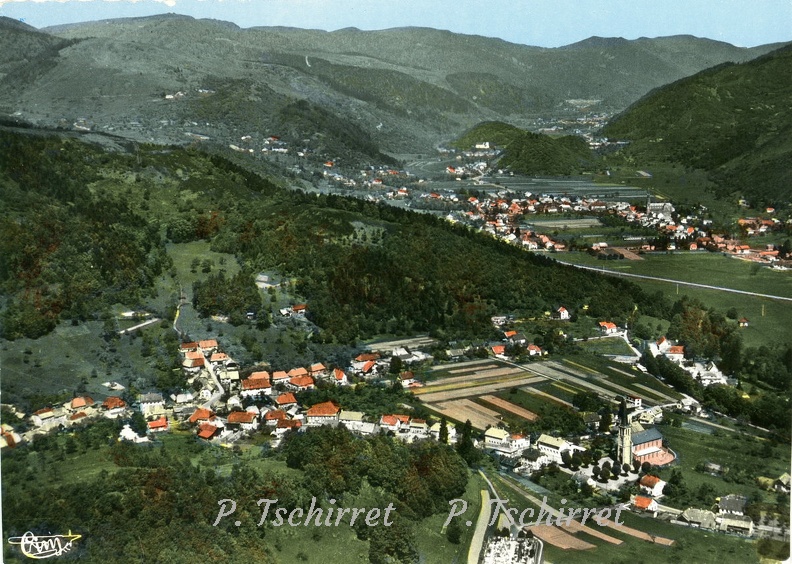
(406, 89)
(732, 120)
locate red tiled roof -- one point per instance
(365, 357)
(388, 420)
(263, 374)
(339, 374)
(275, 414)
(368, 366)
(201, 414)
(161, 423)
(193, 355)
(649, 481)
(295, 372)
(280, 375)
(208, 344)
(78, 415)
(206, 431)
(285, 399)
(113, 402)
(509, 334)
(289, 424)
(499, 349)
(677, 349)
(324, 409)
(642, 502)
(607, 325)
(302, 381)
(318, 367)
(218, 357)
(82, 401)
(188, 346)
(255, 384)
(241, 417)
(408, 375)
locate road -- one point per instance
(692, 284)
(139, 326)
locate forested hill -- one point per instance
(83, 228)
(734, 121)
(531, 153)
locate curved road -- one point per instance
(693, 284)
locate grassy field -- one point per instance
(610, 346)
(698, 267)
(757, 458)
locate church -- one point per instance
(636, 444)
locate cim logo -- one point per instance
(39, 547)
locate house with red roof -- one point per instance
(272, 417)
(159, 425)
(676, 353)
(201, 415)
(207, 431)
(113, 407)
(652, 485)
(535, 350)
(340, 377)
(325, 413)
(280, 376)
(499, 350)
(255, 387)
(394, 422)
(562, 313)
(300, 383)
(188, 347)
(608, 327)
(296, 372)
(208, 346)
(286, 400)
(245, 420)
(318, 370)
(282, 426)
(643, 503)
(80, 403)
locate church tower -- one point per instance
(624, 447)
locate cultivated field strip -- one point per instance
(510, 407)
(576, 527)
(473, 377)
(661, 395)
(473, 368)
(463, 409)
(467, 363)
(559, 538)
(551, 397)
(487, 388)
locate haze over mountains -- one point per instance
(402, 90)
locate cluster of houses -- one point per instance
(705, 372)
(727, 514)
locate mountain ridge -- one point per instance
(408, 88)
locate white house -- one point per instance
(554, 447)
(151, 404)
(504, 442)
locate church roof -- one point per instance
(646, 436)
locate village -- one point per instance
(227, 405)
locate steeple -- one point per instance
(624, 446)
